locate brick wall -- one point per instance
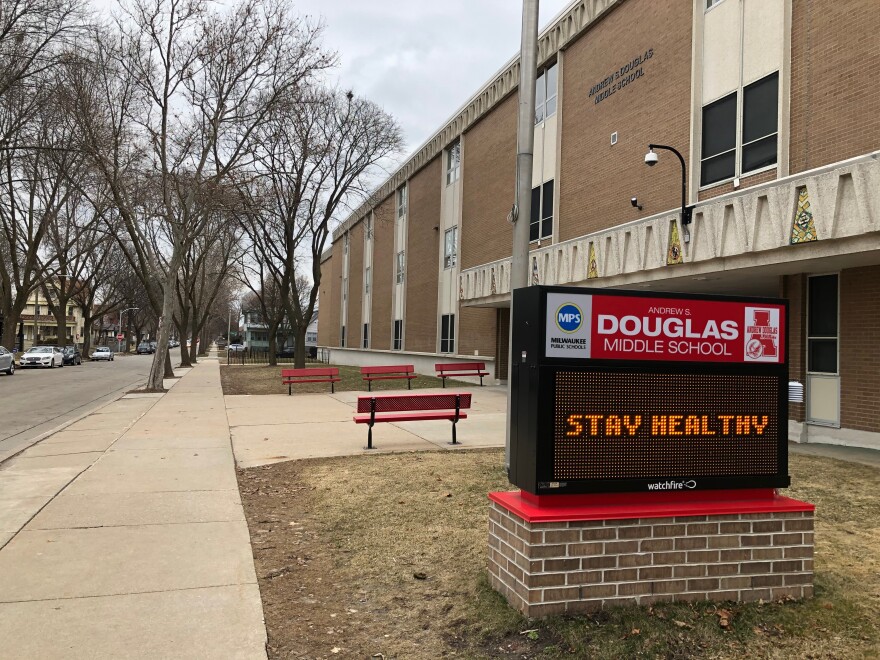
(476, 331)
(331, 298)
(383, 273)
(835, 108)
(551, 568)
(488, 186)
(597, 180)
(794, 288)
(859, 342)
(423, 245)
(354, 331)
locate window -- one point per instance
(757, 139)
(546, 93)
(342, 337)
(345, 243)
(344, 288)
(401, 201)
(36, 311)
(712, 3)
(759, 130)
(398, 335)
(719, 141)
(367, 280)
(368, 227)
(400, 267)
(822, 324)
(366, 335)
(453, 162)
(541, 224)
(70, 310)
(447, 333)
(450, 238)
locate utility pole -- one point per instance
(525, 146)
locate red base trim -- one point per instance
(620, 506)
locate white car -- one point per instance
(7, 362)
(102, 353)
(42, 356)
(235, 348)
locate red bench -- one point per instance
(291, 377)
(445, 371)
(411, 407)
(370, 374)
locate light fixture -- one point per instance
(635, 202)
(652, 159)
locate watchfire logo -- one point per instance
(673, 485)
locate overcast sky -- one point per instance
(421, 60)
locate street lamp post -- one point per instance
(121, 331)
(651, 159)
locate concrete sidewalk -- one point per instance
(140, 547)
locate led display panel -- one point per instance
(622, 391)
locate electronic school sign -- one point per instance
(623, 391)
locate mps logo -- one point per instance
(569, 317)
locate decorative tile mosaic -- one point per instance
(803, 229)
(593, 268)
(673, 250)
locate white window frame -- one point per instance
(453, 162)
(812, 375)
(397, 337)
(542, 108)
(401, 201)
(740, 94)
(400, 266)
(367, 280)
(541, 218)
(449, 340)
(450, 257)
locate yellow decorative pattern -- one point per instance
(593, 268)
(673, 250)
(803, 229)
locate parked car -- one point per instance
(173, 343)
(235, 348)
(102, 353)
(72, 355)
(286, 351)
(144, 348)
(42, 356)
(7, 362)
(221, 343)
(153, 346)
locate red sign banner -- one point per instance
(627, 328)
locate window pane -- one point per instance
(822, 320)
(547, 227)
(822, 356)
(759, 154)
(535, 214)
(718, 168)
(719, 126)
(552, 77)
(547, 200)
(540, 97)
(759, 108)
(551, 106)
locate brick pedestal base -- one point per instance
(545, 568)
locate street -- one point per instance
(37, 400)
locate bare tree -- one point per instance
(314, 160)
(168, 107)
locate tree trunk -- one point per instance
(169, 370)
(87, 332)
(193, 350)
(181, 331)
(299, 360)
(161, 362)
(273, 346)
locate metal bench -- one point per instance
(411, 407)
(452, 369)
(291, 377)
(370, 374)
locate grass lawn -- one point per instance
(262, 379)
(385, 557)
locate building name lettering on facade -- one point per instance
(628, 73)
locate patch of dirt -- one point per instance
(385, 557)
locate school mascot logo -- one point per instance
(569, 318)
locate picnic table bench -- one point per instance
(451, 369)
(387, 372)
(291, 377)
(411, 407)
